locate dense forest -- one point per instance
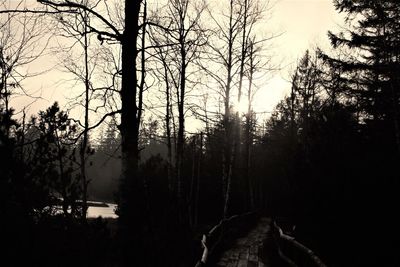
(327, 159)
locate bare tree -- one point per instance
(131, 203)
(223, 53)
(75, 26)
(184, 35)
(253, 65)
(230, 50)
(20, 44)
(165, 72)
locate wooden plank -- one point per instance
(242, 263)
(252, 264)
(244, 252)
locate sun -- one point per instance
(241, 106)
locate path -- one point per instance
(246, 251)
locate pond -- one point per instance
(96, 209)
(105, 210)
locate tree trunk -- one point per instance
(168, 129)
(192, 184)
(197, 196)
(181, 123)
(86, 127)
(227, 153)
(244, 50)
(249, 141)
(131, 202)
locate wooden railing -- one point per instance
(290, 250)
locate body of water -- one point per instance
(107, 210)
(96, 209)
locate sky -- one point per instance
(303, 25)
(298, 24)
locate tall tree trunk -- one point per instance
(181, 121)
(132, 203)
(197, 196)
(249, 141)
(180, 139)
(244, 50)
(168, 129)
(190, 200)
(4, 93)
(85, 137)
(227, 153)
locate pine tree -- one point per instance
(372, 72)
(369, 80)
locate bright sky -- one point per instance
(303, 24)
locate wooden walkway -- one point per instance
(246, 251)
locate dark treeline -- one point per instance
(326, 160)
(332, 145)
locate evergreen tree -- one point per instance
(368, 79)
(372, 74)
(54, 148)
